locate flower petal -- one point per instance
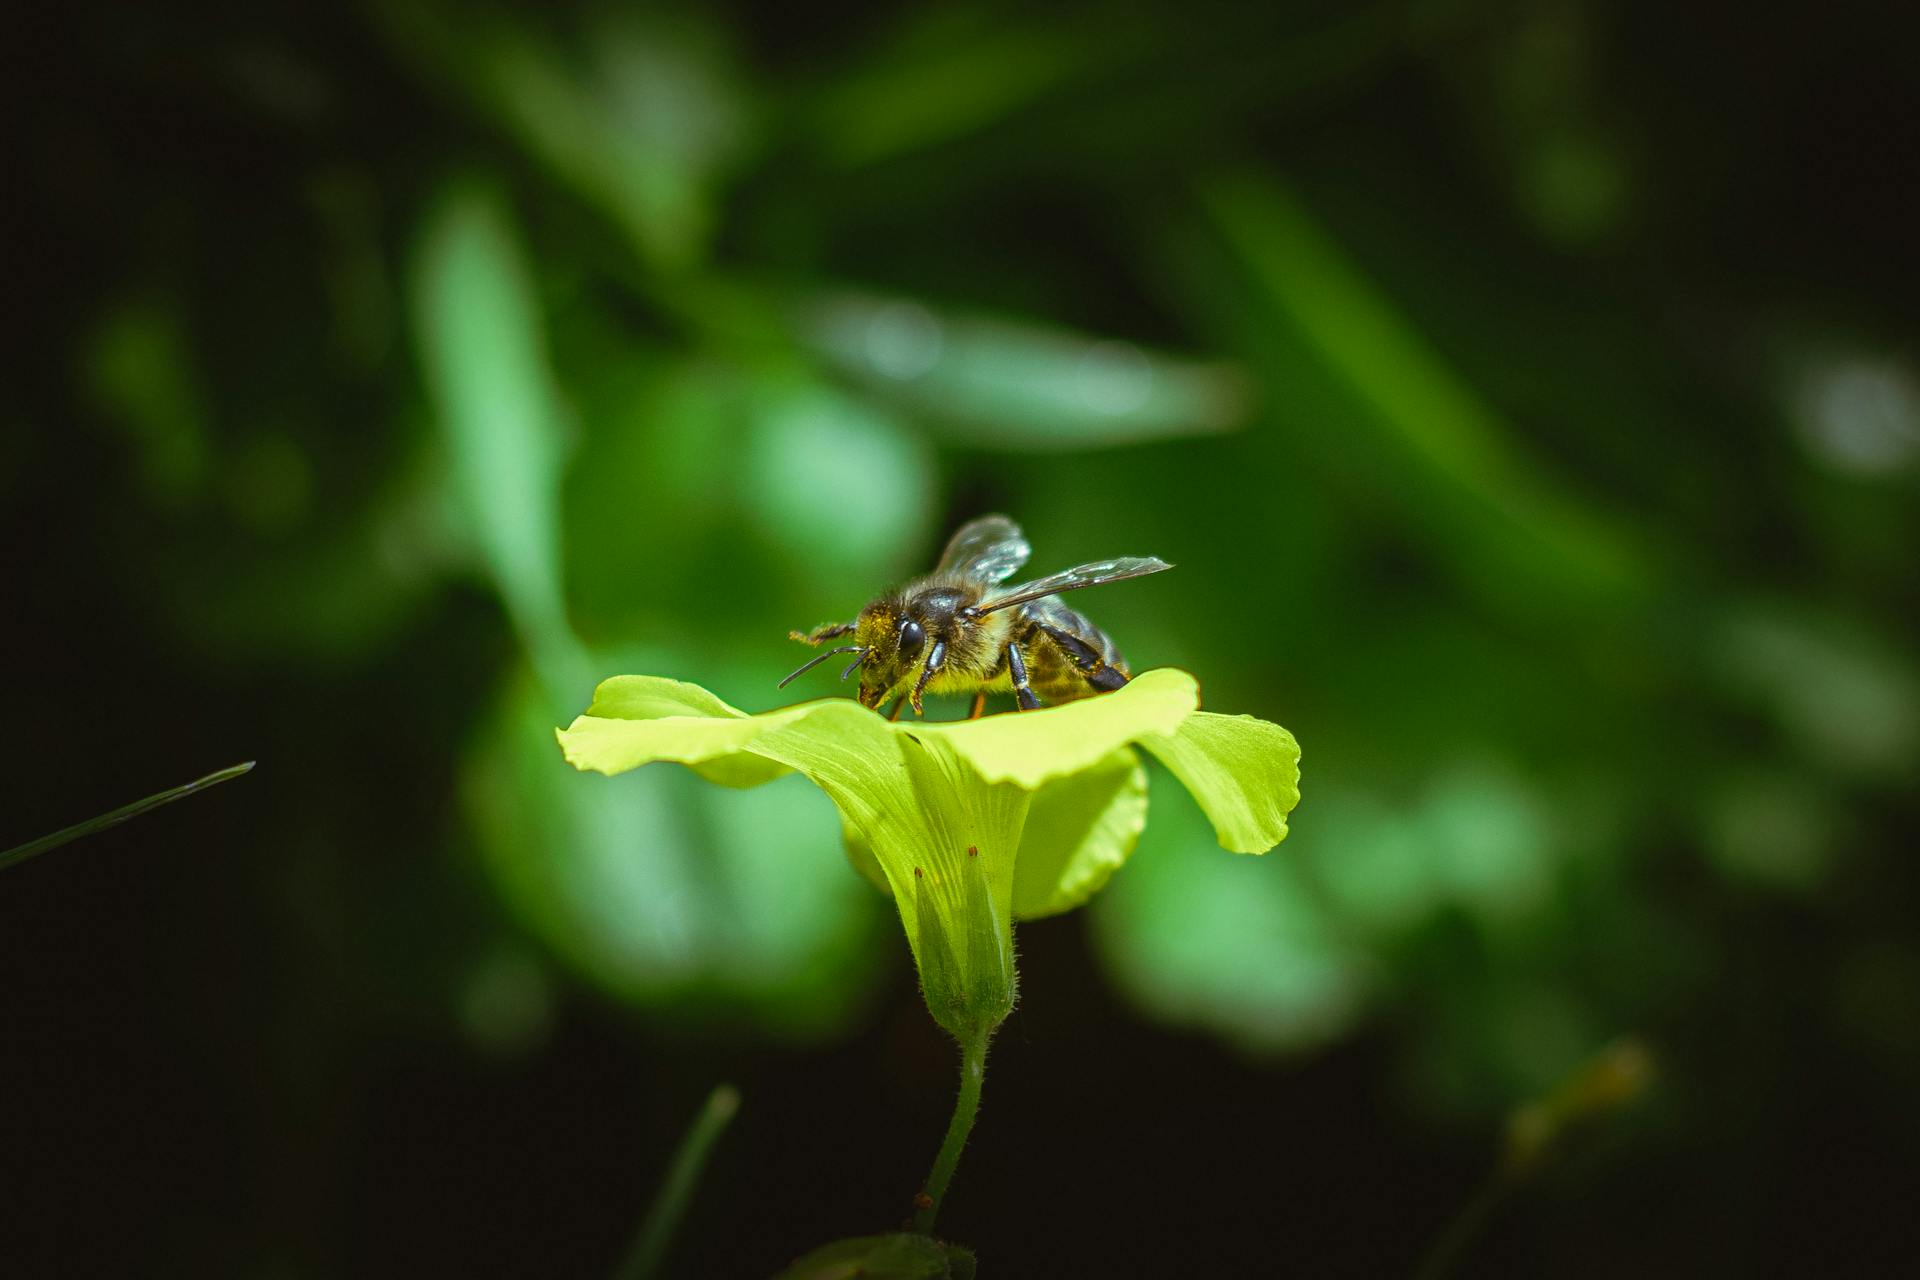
(1079, 830)
(636, 720)
(1028, 748)
(655, 697)
(1243, 772)
(860, 854)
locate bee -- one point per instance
(958, 630)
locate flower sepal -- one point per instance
(965, 958)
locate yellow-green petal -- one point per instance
(1079, 831)
(1030, 748)
(1244, 773)
(655, 697)
(636, 720)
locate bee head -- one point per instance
(893, 636)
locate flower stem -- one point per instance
(683, 1175)
(973, 1070)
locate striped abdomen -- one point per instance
(1067, 656)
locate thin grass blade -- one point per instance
(33, 848)
(676, 1191)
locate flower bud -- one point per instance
(964, 950)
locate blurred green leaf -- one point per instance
(1772, 828)
(1487, 840)
(640, 888)
(1235, 947)
(944, 75)
(1498, 508)
(140, 371)
(640, 115)
(808, 451)
(1849, 701)
(1534, 91)
(346, 587)
(478, 325)
(1004, 384)
(650, 503)
(1372, 861)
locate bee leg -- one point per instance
(899, 705)
(936, 659)
(1100, 674)
(979, 705)
(820, 635)
(1017, 667)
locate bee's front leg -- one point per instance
(936, 659)
(820, 635)
(1017, 667)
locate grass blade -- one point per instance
(683, 1175)
(33, 848)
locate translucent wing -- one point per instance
(990, 549)
(1085, 575)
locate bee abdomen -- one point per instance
(1067, 656)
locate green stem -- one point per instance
(670, 1205)
(973, 1070)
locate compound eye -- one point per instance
(913, 638)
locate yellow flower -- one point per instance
(970, 824)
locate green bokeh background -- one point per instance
(1526, 392)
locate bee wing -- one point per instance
(1083, 575)
(990, 550)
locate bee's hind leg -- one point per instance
(1099, 673)
(899, 705)
(979, 705)
(1017, 668)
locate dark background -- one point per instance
(1527, 393)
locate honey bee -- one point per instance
(958, 630)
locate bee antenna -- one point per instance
(811, 663)
(855, 664)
